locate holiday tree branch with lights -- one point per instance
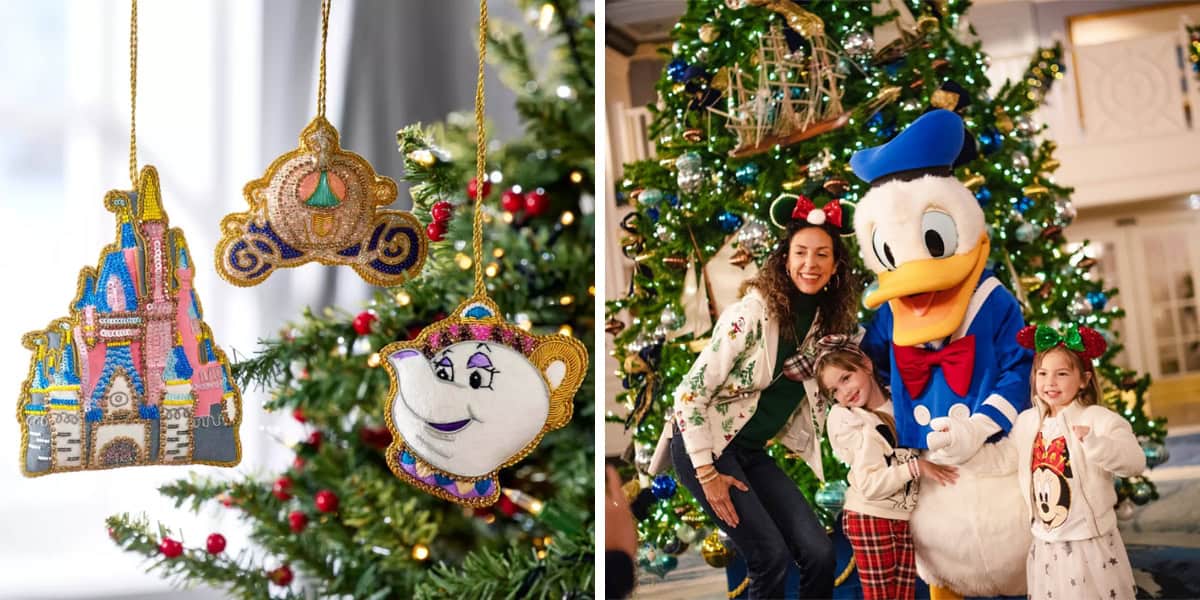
(338, 522)
(759, 100)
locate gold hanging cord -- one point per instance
(480, 289)
(324, 35)
(133, 44)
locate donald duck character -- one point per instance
(945, 337)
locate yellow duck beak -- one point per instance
(929, 297)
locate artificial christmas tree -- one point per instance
(764, 98)
(339, 523)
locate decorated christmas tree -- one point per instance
(762, 98)
(338, 523)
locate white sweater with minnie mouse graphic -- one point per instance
(1108, 449)
(881, 483)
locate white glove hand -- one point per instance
(955, 439)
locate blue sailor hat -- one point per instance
(932, 145)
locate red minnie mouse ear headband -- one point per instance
(835, 214)
(1084, 341)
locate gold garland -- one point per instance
(735, 592)
(845, 573)
(841, 578)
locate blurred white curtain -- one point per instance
(223, 87)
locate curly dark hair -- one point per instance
(837, 302)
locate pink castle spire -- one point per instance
(158, 308)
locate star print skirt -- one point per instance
(1093, 568)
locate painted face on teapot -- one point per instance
(472, 405)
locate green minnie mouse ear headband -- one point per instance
(792, 207)
(1084, 341)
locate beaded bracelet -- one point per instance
(709, 476)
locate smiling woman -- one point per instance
(753, 382)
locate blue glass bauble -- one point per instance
(676, 69)
(1024, 204)
(1156, 454)
(1098, 300)
(747, 173)
(1142, 493)
(831, 496)
(729, 222)
(652, 213)
(984, 195)
(989, 141)
(663, 487)
(650, 196)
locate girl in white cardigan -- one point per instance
(1068, 449)
(883, 478)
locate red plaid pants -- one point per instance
(883, 550)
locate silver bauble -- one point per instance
(817, 166)
(1064, 212)
(754, 237)
(689, 172)
(1027, 232)
(858, 44)
(1080, 307)
(1020, 160)
(1025, 124)
(669, 318)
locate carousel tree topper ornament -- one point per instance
(473, 394)
(321, 203)
(131, 376)
(792, 95)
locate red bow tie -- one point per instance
(957, 360)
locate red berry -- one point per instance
(281, 576)
(215, 543)
(170, 548)
(314, 439)
(283, 488)
(442, 211)
(375, 437)
(326, 501)
(536, 202)
(298, 463)
(362, 323)
(436, 231)
(512, 200)
(297, 521)
(473, 186)
(226, 499)
(298, 414)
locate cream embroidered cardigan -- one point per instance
(720, 392)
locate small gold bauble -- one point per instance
(715, 552)
(693, 518)
(631, 488)
(709, 33)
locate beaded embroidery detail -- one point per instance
(321, 203)
(473, 394)
(130, 376)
